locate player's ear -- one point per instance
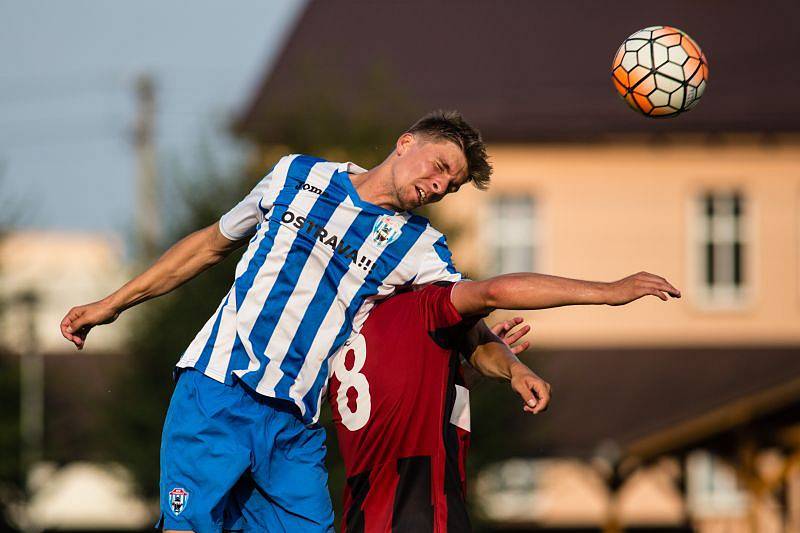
(404, 142)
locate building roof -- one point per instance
(526, 70)
(651, 401)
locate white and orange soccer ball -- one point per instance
(660, 71)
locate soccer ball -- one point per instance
(660, 71)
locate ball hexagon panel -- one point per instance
(646, 85)
(669, 40)
(660, 54)
(620, 88)
(677, 54)
(644, 102)
(691, 48)
(693, 103)
(621, 77)
(618, 57)
(637, 74)
(672, 70)
(676, 98)
(633, 45)
(644, 58)
(642, 34)
(659, 98)
(664, 30)
(665, 83)
(665, 111)
(691, 67)
(629, 61)
(698, 78)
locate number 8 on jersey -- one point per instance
(353, 379)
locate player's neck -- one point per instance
(375, 187)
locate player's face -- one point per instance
(425, 171)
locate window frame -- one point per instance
(721, 297)
(490, 226)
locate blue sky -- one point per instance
(67, 71)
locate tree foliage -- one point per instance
(11, 478)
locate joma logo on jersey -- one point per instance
(306, 187)
(319, 232)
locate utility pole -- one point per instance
(32, 385)
(148, 214)
(31, 369)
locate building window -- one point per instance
(722, 249)
(511, 235)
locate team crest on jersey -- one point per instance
(177, 500)
(386, 230)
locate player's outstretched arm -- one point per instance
(540, 291)
(493, 355)
(183, 261)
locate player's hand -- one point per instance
(634, 287)
(504, 331)
(81, 319)
(535, 391)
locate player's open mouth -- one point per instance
(421, 194)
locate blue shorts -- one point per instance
(236, 460)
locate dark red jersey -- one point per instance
(401, 412)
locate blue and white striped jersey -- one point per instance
(318, 259)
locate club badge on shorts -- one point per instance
(177, 500)
(386, 230)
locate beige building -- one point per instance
(59, 269)
(720, 220)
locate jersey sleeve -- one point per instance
(443, 322)
(437, 264)
(241, 221)
(438, 311)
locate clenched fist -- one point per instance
(81, 319)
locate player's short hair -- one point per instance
(451, 126)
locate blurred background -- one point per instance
(126, 125)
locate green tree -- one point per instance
(10, 473)
(11, 479)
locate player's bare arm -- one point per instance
(494, 354)
(183, 261)
(540, 291)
